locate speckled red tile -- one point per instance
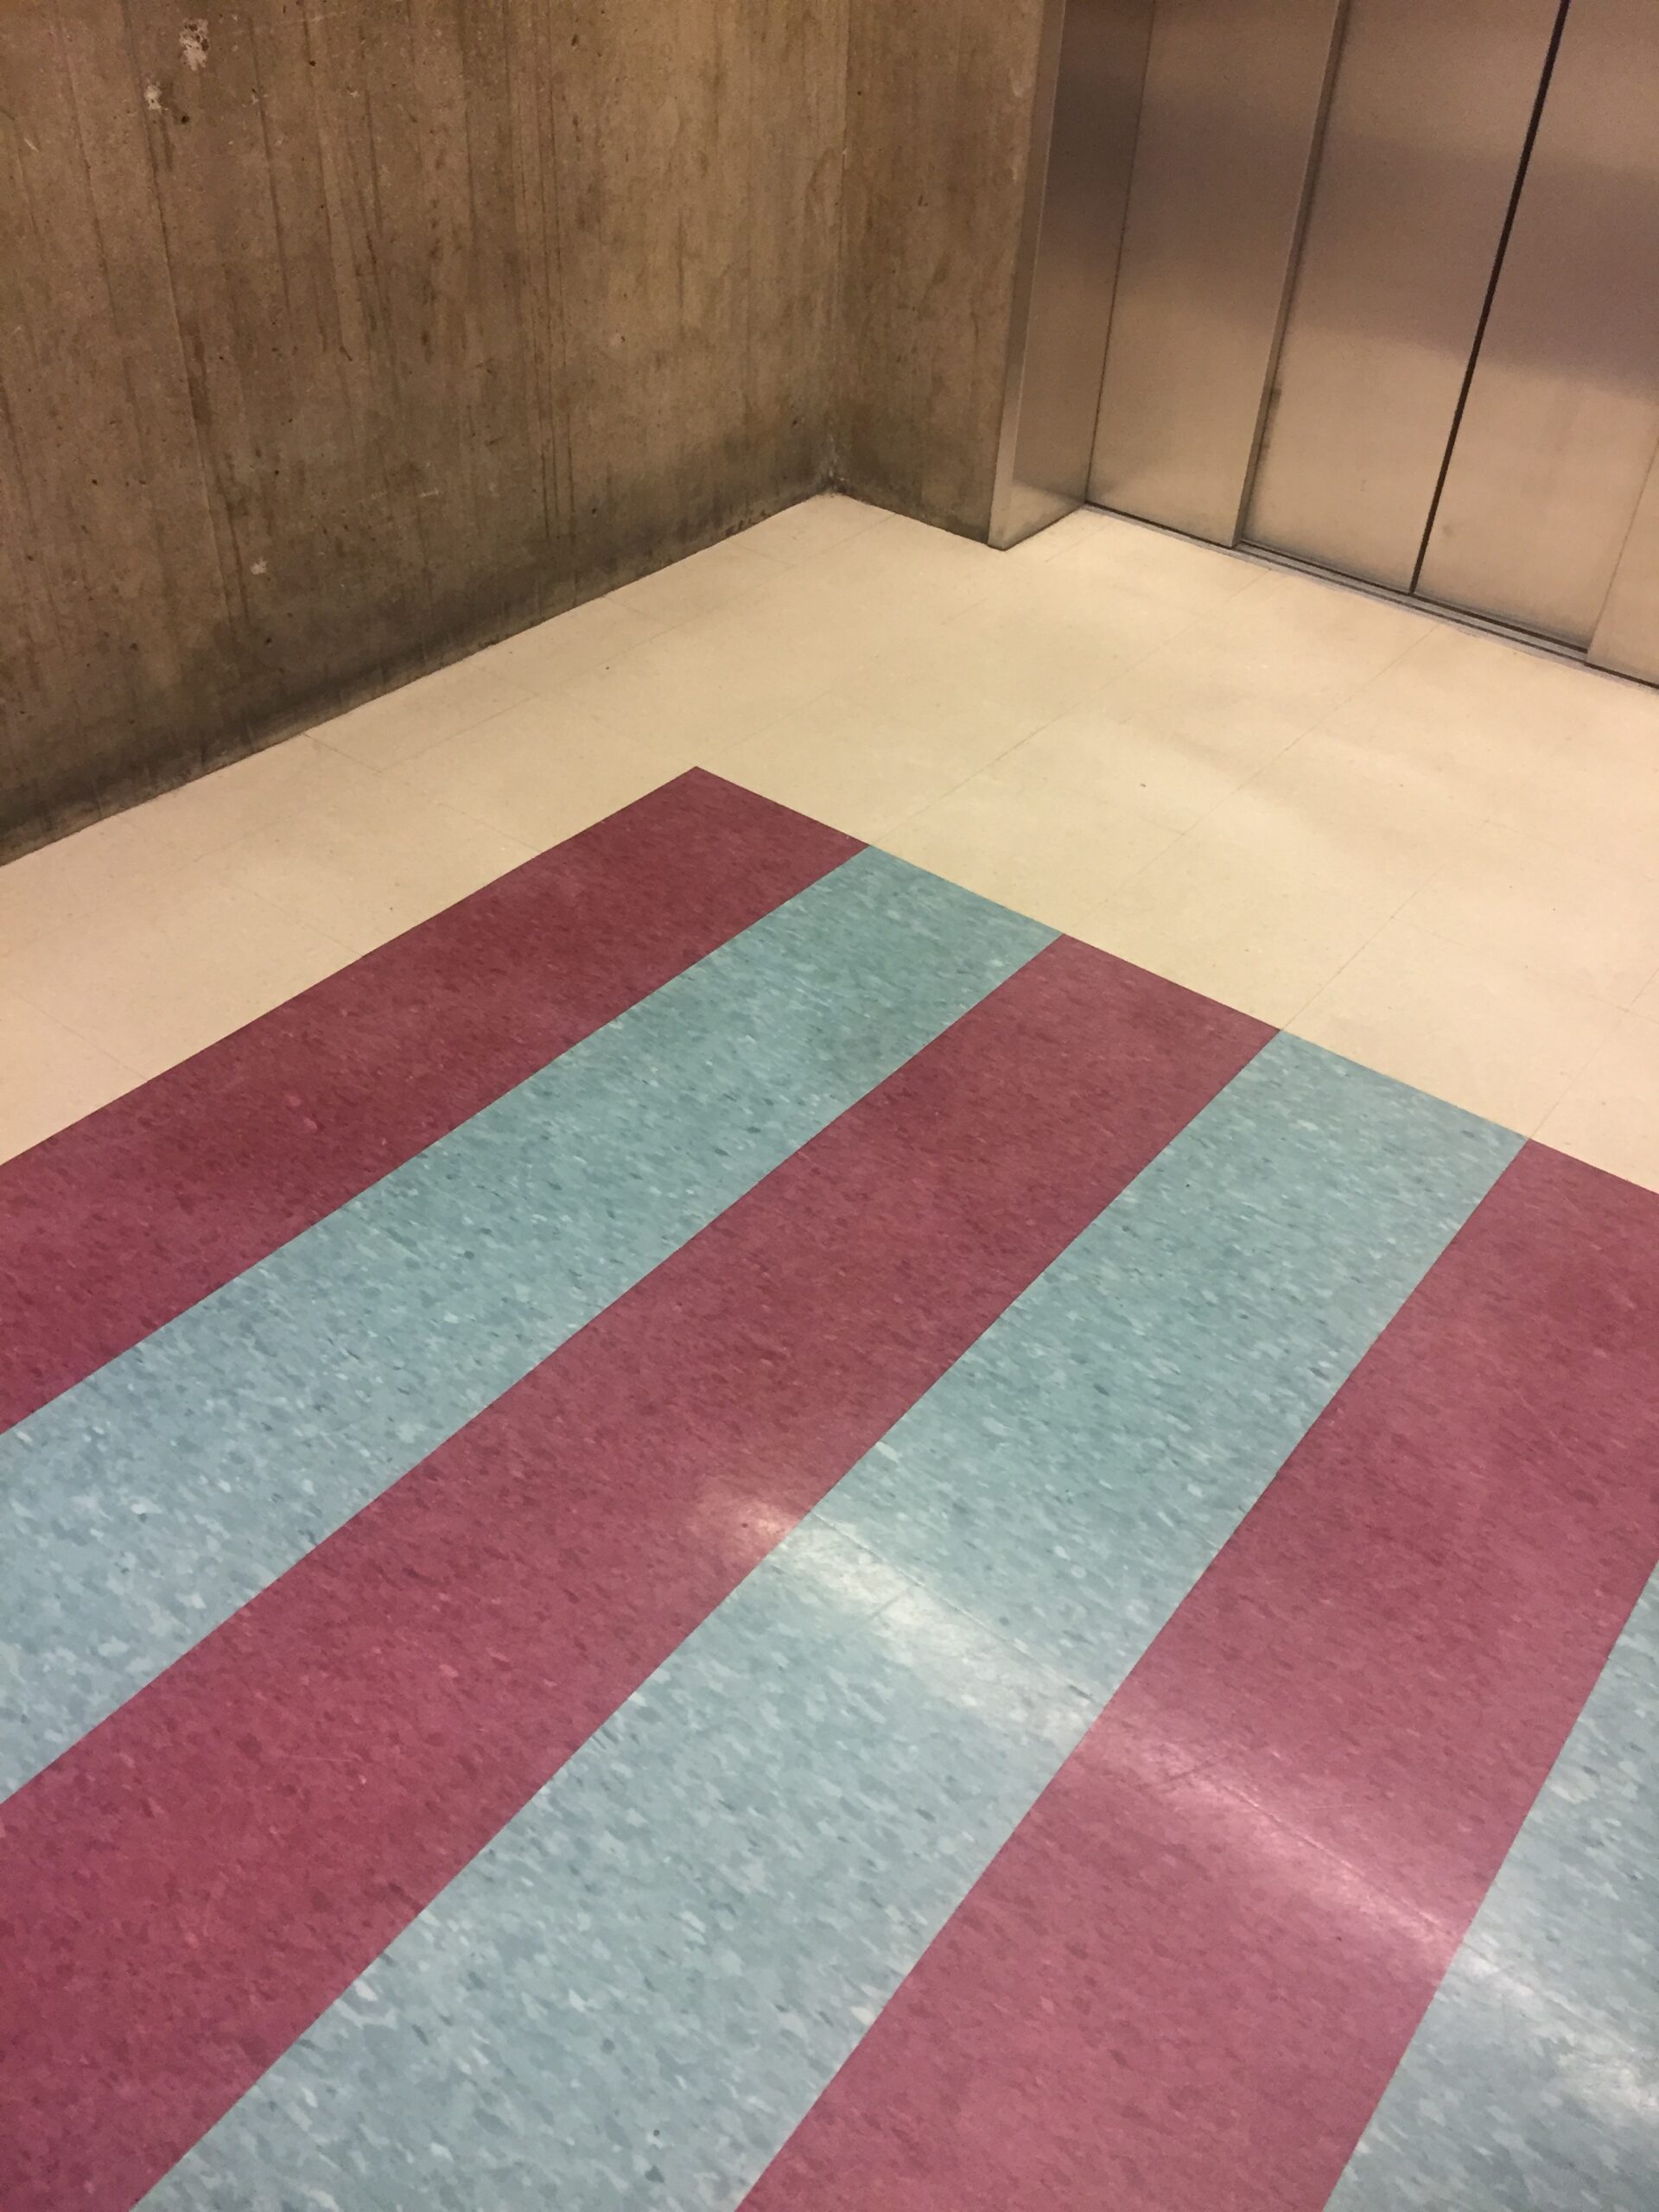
(1186, 1980)
(208, 1869)
(119, 1223)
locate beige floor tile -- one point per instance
(49, 1076)
(1324, 810)
(1598, 791)
(1045, 545)
(1196, 695)
(150, 990)
(720, 679)
(1156, 563)
(1609, 1114)
(547, 657)
(922, 575)
(679, 691)
(1240, 692)
(1465, 714)
(297, 777)
(1229, 923)
(720, 576)
(925, 687)
(1069, 633)
(395, 727)
(811, 527)
(1587, 921)
(1283, 611)
(1489, 1034)
(1174, 776)
(841, 626)
(68, 883)
(843, 762)
(540, 771)
(1045, 850)
(946, 687)
(366, 870)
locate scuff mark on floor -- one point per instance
(192, 43)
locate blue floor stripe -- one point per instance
(141, 1507)
(634, 1993)
(1534, 2080)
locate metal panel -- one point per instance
(1229, 118)
(1627, 636)
(1088, 103)
(1562, 414)
(1422, 146)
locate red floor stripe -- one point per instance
(117, 1224)
(188, 1887)
(1186, 1980)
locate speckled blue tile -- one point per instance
(637, 1988)
(140, 1508)
(634, 1993)
(1075, 1472)
(1533, 2083)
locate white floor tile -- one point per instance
(1431, 848)
(49, 1076)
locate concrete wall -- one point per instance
(938, 128)
(339, 337)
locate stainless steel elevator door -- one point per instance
(1424, 137)
(1229, 113)
(1416, 244)
(1562, 413)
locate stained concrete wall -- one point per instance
(341, 337)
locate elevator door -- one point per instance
(1466, 401)
(1427, 124)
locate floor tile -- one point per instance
(1589, 923)
(719, 576)
(1499, 1038)
(395, 727)
(371, 864)
(1284, 611)
(1222, 922)
(155, 985)
(1598, 791)
(925, 574)
(940, 682)
(721, 678)
(1509, 2099)
(1172, 777)
(1464, 714)
(541, 771)
(845, 762)
(1062, 636)
(811, 527)
(123, 865)
(115, 864)
(291, 780)
(49, 1076)
(1047, 851)
(1323, 810)
(1243, 682)
(1045, 545)
(839, 625)
(548, 654)
(1610, 1113)
(1157, 563)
